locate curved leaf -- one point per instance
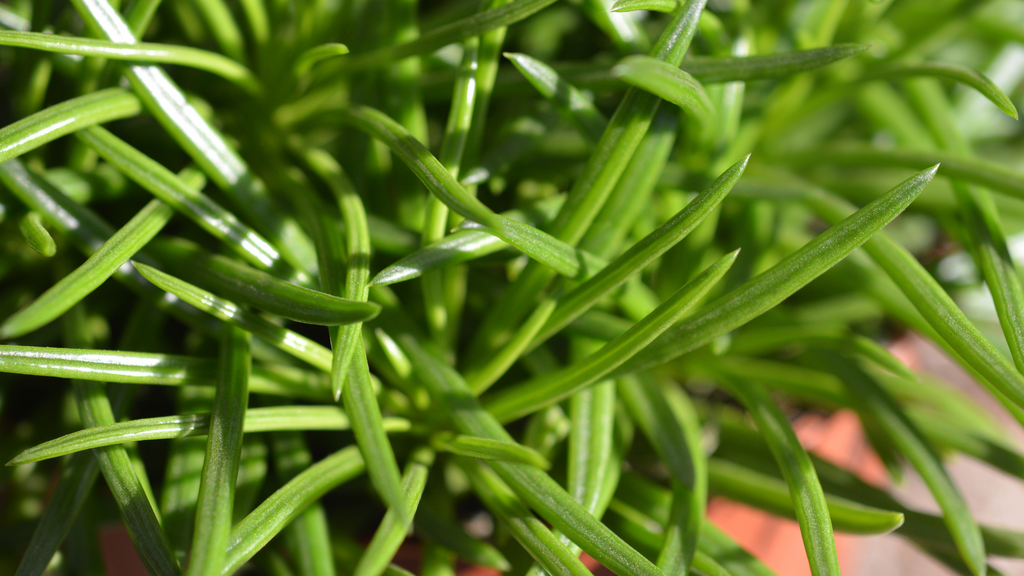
(532, 395)
(81, 282)
(766, 290)
(141, 52)
(955, 72)
(572, 104)
(305, 61)
(487, 449)
(653, 5)
(36, 236)
(669, 83)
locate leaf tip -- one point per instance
(929, 173)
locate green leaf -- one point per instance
(138, 514)
(593, 186)
(669, 421)
(935, 305)
(81, 282)
(669, 83)
(533, 486)
(273, 514)
(36, 236)
(457, 31)
(572, 104)
(108, 366)
(190, 425)
(535, 243)
(393, 528)
(223, 451)
(64, 118)
(532, 395)
(482, 378)
(955, 72)
(305, 61)
(747, 486)
(922, 456)
(654, 5)
(486, 449)
(287, 341)
(766, 290)
(641, 254)
(808, 497)
(245, 285)
(204, 145)
(530, 532)
(198, 207)
(141, 52)
(368, 426)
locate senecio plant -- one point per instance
(288, 285)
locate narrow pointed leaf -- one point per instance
(935, 305)
(108, 366)
(669, 83)
(955, 72)
(273, 514)
(653, 5)
(574, 106)
(537, 393)
(532, 485)
(206, 146)
(368, 425)
(190, 425)
(71, 289)
(747, 486)
(479, 380)
(808, 497)
(766, 290)
(393, 528)
(530, 532)
(487, 449)
(535, 243)
(287, 341)
(239, 283)
(718, 69)
(641, 254)
(223, 452)
(141, 52)
(64, 118)
(198, 207)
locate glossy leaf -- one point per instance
(668, 82)
(487, 449)
(106, 366)
(223, 452)
(141, 52)
(535, 243)
(287, 341)
(245, 285)
(766, 290)
(537, 393)
(274, 513)
(71, 289)
(36, 235)
(189, 425)
(312, 56)
(64, 118)
(808, 497)
(653, 5)
(574, 106)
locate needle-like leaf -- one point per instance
(487, 449)
(64, 118)
(141, 52)
(654, 5)
(274, 513)
(305, 61)
(269, 419)
(766, 290)
(245, 285)
(574, 106)
(532, 395)
(287, 341)
(107, 366)
(223, 451)
(94, 271)
(36, 235)
(669, 83)
(808, 497)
